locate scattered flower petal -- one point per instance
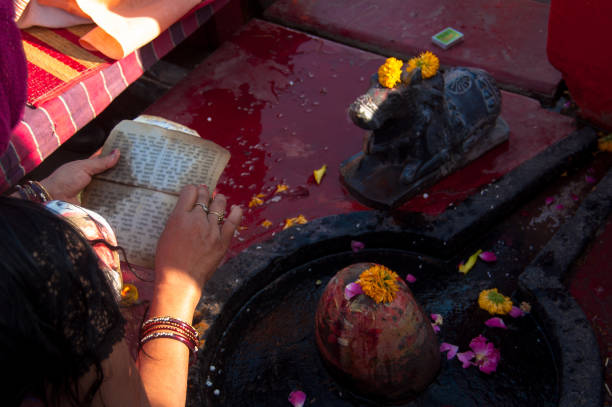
(559, 207)
(266, 224)
(318, 174)
(464, 268)
(436, 328)
(452, 350)
(256, 201)
(486, 356)
(129, 294)
(281, 188)
(496, 322)
(525, 307)
(437, 319)
(494, 302)
(465, 358)
(351, 290)
(549, 200)
(410, 278)
(488, 257)
(589, 179)
(297, 398)
(575, 197)
(299, 220)
(357, 246)
(516, 312)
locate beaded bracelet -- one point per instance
(33, 191)
(193, 348)
(179, 330)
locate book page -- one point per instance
(137, 215)
(162, 159)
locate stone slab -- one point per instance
(505, 37)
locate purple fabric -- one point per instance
(13, 74)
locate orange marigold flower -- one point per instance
(298, 220)
(390, 72)
(266, 224)
(494, 302)
(379, 283)
(129, 294)
(605, 143)
(427, 61)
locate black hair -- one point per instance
(58, 314)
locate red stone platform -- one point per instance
(278, 99)
(505, 37)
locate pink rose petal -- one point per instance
(410, 278)
(452, 350)
(351, 290)
(488, 256)
(516, 312)
(436, 328)
(559, 207)
(465, 358)
(589, 179)
(496, 322)
(549, 200)
(297, 398)
(486, 355)
(356, 246)
(575, 197)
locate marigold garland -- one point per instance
(494, 302)
(427, 61)
(389, 73)
(379, 283)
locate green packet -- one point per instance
(447, 38)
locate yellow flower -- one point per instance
(464, 268)
(494, 302)
(318, 174)
(266, 224)
(390, 72)
(281, 188)
(129, 294)
(605, 143)
(299, 220)
(256, 201)
(427, 61)
(379, 283)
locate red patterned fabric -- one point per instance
(55, 119)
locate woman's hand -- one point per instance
(66, 182)
(193, 244)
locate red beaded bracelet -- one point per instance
(179, 330)
(170, 320)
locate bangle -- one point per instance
(191, 345)
(40, 192)
(170, 321)
(177, 329)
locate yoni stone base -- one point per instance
(384, 351)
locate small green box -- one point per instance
(447, 38)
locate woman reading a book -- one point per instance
(61, 330)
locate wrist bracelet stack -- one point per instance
(33, 191)
(168, 327)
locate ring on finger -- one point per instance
(203, 206)
(219, 215)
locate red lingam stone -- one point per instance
(387, 351)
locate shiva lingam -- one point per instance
(374, 336)
(423, 125)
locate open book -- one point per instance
(158, 158)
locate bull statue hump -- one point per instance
(419, 131)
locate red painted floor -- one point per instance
(505, 37)
(278, 99)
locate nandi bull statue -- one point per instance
(423, 125)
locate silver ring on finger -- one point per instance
(203, 206)
(219, 216)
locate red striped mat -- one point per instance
(56, 61)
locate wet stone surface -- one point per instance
(269, 348)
